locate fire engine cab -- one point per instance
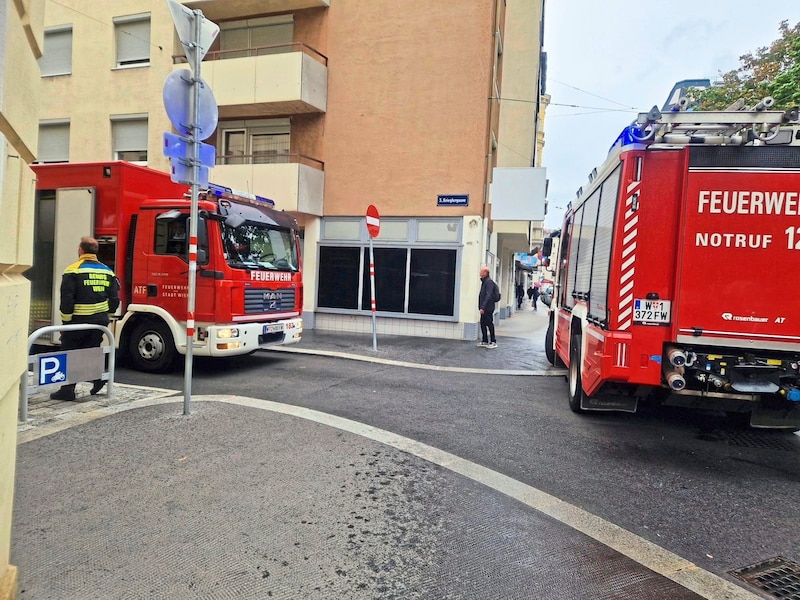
(676, 275)
(249, 289)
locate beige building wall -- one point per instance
(96, 89)
(20, 45)
(518, 129)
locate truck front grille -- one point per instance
(265, 300)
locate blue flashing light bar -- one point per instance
(630, 135)
(221, 190)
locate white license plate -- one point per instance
(652, 311)
(273, 328)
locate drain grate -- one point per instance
(777, 576)
(767, 440)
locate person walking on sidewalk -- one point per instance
(520, 295)
(89, 291)
(487, 298)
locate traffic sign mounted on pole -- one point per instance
(373, 228)
(373, 221)
(193, 111)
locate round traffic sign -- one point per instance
(373, 221)
(177, 102)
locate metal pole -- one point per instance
(194, 111)
(372, 290)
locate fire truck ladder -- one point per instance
(736, 125)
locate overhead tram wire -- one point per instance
(88, 16)
(590, 93)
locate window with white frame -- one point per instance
(57, 56)
(257, 141)
(132, 35)
(256, 37)
(53, 142)
(129, 139)
(413, 276)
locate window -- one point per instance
(257, 141)
(407, 280)
(171, 236)
(57, 56)
(129, 139)
(54, 142)
(432, 286)
(390, 276)
(338, 277)
(132, 34)
(256, 37)
(416, 266)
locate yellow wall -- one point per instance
(21, 27)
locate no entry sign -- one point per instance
(373, 221)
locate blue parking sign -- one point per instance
(52, 368)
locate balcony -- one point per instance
(223, 10)
(266, 81)
(294, 181)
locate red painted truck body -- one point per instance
(677, 271)
(249, 288)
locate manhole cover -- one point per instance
(778, 576)
(767, 440)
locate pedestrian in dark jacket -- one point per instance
(487, 298)
(89, 292)
(520, 295)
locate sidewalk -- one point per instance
(520, 348)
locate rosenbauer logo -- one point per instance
(750, 319)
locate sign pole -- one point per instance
(373, 223)
(194, 111)
(372, 295)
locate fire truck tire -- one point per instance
(151, 347)
(576, 393)
(549, 348)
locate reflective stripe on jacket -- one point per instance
(89, 291)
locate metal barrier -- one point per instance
(61, 377)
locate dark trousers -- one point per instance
(72, 340)
(487, 327)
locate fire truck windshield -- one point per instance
(258, 246)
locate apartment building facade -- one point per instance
(20, 45)
(325, 106)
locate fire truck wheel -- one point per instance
(151, 347)
(576, 393)
(549, 348)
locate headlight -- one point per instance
(230, 332)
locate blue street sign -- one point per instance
(176, 146)
(53, 369)
(178, 99)
(181, 173)
(452, 200)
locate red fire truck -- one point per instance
(249, 280)
(677, 266)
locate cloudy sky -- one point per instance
(624, 56)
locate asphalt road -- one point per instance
(690, 482)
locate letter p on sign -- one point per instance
(52, 369)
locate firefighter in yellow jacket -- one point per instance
(89, 292)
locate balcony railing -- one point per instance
(259, 51)
(269, 159)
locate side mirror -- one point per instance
(202, 256)
(547, 247)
